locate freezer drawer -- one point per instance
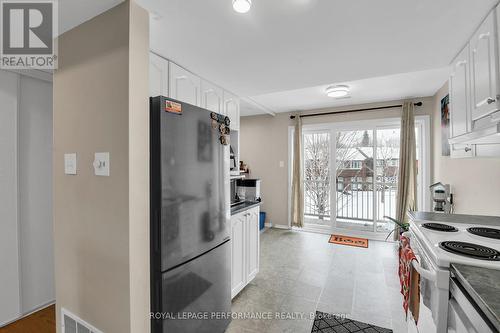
(201, 287)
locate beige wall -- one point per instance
(102, 223)
(475, 181)
(264, 143)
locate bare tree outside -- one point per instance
(317, 172)
(358, 178)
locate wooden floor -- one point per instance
(43, 321)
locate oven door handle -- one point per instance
(425, 273)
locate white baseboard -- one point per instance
(321, 229)
(281, 226)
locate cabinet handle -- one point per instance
(468, 149)
(461, 63)
(489, 100)
(483, 36)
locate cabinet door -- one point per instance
(253, 237)
(184, 85)
(232, 110)
(459, 95)
(484, 69)
(238, 245)
(158, 76)
(212, 97)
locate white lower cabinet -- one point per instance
(238, 245)
(245, 249)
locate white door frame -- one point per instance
(422, 122)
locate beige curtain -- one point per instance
(407, 181)
(297, 179)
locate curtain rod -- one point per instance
(355, 110)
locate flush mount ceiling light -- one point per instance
(337, 91)
(242, 6)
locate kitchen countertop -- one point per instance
(455, 218)
(244, 206)
(483, 285)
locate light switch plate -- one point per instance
(101, 164)
(70, 164)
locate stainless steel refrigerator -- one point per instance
(190, 249)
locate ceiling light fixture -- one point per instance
(337, 91)
(242, 6)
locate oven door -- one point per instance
(434, 282)
(463, 314)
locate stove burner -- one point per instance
(471, 250)
(485, 232)
(439, 227)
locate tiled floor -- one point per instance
(301, 272)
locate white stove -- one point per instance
(430, 240)
(438, 244)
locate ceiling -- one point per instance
(282, 54)
(378, 89)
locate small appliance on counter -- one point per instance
(442, 198)
(235, 199)
(248, 189)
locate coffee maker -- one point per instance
(442, 198)
(249, 189)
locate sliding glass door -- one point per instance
(386, 176)
(317, 177)
(355, 176)
(351, 175)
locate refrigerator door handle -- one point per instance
(157, 232)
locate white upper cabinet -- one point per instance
(171, 80)
(158, 76)
(232, 110)
(212, 97)
(184, 85)
(484, 69)
(459, 95)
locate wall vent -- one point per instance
(74, 324)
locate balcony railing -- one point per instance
(355, 200)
